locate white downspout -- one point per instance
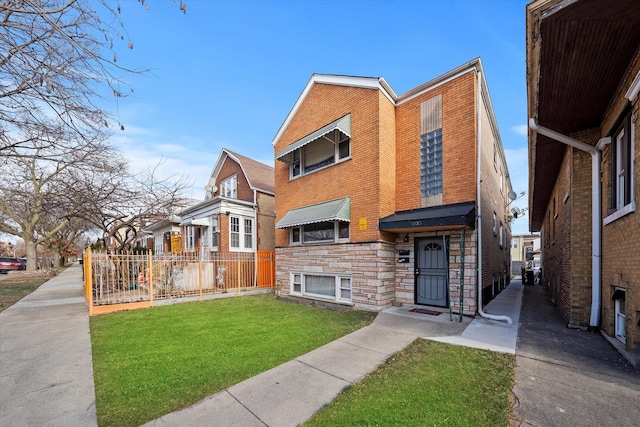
(596, 239)
(479, 204)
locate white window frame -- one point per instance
(243, 232)
(343, 283)
(189, 240)
(501, 236)
(495, 223)
(297, 166)
(620, 318)
(299, 233)
(158, 246)
(229, 187)
(620, 176)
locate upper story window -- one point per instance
(431, 163)
(327, 146)
(229, 187)
(324, 151)
(431, 149)
(622, 171)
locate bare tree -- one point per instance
(38, 192)
(58, 59)
(58, 64)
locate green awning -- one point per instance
(335, 210)
(342, 124)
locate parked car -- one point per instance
(7, 264)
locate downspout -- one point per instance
(256, 264)
(479, 204)
(596, 201)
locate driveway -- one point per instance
(569, 377)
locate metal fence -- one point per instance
(125, 280)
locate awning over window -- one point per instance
(203, 222)
(343, 125)
(459, 215)
(335, 210)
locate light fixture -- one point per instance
(406, 238)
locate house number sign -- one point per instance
(415, 223)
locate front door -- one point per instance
(431, 272)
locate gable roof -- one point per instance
(259, 176)
(381, 84)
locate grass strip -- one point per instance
(16, 287)
(150, 362)
(428, 384)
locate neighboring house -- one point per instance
(237, 214)
(583, 80)
(164, 236)
(376, 192)
(525, 252)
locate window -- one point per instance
(234, 232)
(620, 316)
(229, 187)
(158, 244)
(329, 286)
(431, 163)
(248, 233)
(320, 232)
(495, 223)
(190, 238)
(331, 148)
(514, 243)
(501, 236)
(240, 233)
(622, 164)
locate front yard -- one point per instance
(150, 362)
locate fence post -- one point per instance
(150, 262)
(239, 274)
(88, 278)
(200, 277)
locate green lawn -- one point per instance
(428, 384)
(150, 362)
(15, 287)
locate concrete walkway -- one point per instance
(46, 375)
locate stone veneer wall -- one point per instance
(371, 265)
(405, 279)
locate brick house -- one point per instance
(367, 179)
(583, 79)
(237, 214)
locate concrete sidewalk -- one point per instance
(291, 393)
(46, 375)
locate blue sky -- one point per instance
(226, 74)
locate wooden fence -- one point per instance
(126, 281)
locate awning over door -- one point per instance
(343, 125)
(335, 210)
(203, 222)
(459, 215)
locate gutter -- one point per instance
(596, 215)
(479, 203)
